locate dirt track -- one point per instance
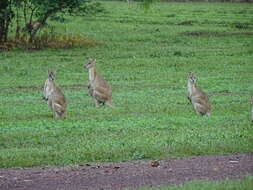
(127, 174)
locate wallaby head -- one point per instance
(192, 77)
(51, 76)
(90, 63)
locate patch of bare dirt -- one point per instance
(128, 174)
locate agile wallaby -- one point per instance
(197, 97)
(54, 97)
(98, 88)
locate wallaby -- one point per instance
(54, 97)
(98, 88)
(197, 97)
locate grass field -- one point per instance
(146, 58)
(243, 184)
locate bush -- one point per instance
(49, 40)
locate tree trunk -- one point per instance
(3, 10)
(34, 27)
(5, 19)
(17, 36)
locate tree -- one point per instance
(39, 11)
(31, 15)
(6, 15)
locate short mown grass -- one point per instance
(146, 58)
(238, 184)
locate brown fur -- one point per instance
(54, 97)
(197, 96)
(98, 88)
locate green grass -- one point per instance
(146, 58)
(242, 184)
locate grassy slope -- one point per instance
(145, 57)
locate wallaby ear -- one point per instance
(192, 74)
(189, 74)
(92, 60)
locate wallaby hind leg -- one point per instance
(59, 111)
(96, 102)
(200, 109)
(102, 98)
(56, 115)
(99, 98)
(59, 114)
(197, 109)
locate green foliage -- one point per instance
(90, 8)
(146, 58)
(31, 15)
(62, 5)
(146, 4)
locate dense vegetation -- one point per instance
(146, 58)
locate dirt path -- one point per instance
(127, 174)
